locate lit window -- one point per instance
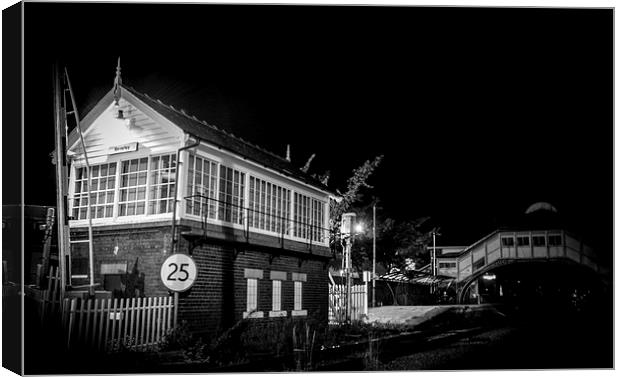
(231, 195)
(276, 302)
(555, 240)
(309, 218)
(298, 285)
(538, 240)
(508, 241)
(132, 199)
(161, 186)
(269, 206)
(252, 303)
(523, 241)
(103, 183)
(298, 280)
(201, 186)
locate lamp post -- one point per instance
(374, 252)
(348, 230)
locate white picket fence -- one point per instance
(338, 303)
(134, 323)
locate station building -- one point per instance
(256, 226)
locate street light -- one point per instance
(359, 228)
(348, 229)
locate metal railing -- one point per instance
(285, 227)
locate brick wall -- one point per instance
(142, 249)
(218, 298)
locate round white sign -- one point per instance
(178, 272)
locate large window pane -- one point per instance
(231, 195)
(268, 206)
(129, 202)
(162, 170)
(309, 219)
(201, 186)
(103, 178)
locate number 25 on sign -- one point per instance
(178, 272)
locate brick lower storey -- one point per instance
(218, 298)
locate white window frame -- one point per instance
(539, 236)
(146, 187)
(277, 277)
(524, 236)
(512, 238)
(151, 185)
(257, 208)
(237, 209)
(554, 235)
(298, 283)
(116, 219)
(252, 293)
(211, 205)
(230, 162)
(306, 234)
(83, 194)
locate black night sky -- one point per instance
(479, 112)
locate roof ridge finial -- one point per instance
(117, 83)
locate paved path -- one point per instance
(409, 315)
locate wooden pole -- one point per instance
(91, 289)
(61, 180)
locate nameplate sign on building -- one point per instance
(129, 147)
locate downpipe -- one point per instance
(174, 240)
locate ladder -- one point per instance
(64, 98)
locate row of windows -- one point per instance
(269, 205)
(276, 295)
(309, 220)
(537, 240)
(146, 186)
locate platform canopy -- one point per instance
(415, 277)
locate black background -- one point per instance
(479, 111)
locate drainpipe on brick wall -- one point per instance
(174, 218)
(176, 192)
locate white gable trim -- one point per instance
(138, 104)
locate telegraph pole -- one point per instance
(60, 160)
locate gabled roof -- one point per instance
(207, 133)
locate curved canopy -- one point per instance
(540, 206)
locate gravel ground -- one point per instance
(539, 347)
(450, 356)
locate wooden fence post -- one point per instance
(71, 320)
(94, 327)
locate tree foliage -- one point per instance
(355, 184)
(352, 195)
(396, 241)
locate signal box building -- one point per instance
(255, 225)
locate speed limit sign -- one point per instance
(178, 272)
